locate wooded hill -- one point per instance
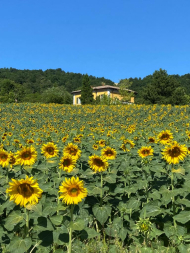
(55, 85)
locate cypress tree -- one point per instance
(86, 91)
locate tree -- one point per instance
(124, 85)
(86, 91)
(164, 89)
(106, 100)
(57, 95)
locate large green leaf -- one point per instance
(183, 217)
(101, 213)
(151, 209)
(19, 245)
(56, 220)
(78, 224)
(14, 218)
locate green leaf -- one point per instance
(184, 202)
(133, 204)
(151, 209)
(101, 213)
(36, 208)
(183, 217)
(110, 179)
(14, 218)
(57, 220)
(19, 245)
(123, 233)
(91, 232)
(78, 225)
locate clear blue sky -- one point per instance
(115, 39)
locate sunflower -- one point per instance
(127, 145)
(151, 140)
(72, 191)
(98, 163)
(77, 140)
(73, 150)
(109, 153)
(174, 152)
(95, 146)
(145, 151)
(64, 138)
(24, 191)
(26, 156)
(49, 150)
(4, 158)
(165, 136)
(67, 163)
(12, 159)
(29, 141)
(102, 143)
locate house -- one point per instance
(111, 91)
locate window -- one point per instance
(78, 101)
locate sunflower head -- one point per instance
(4, 158)
(145, 151)
(24, 191)
(151, 140)
(95, 146)
(174, 153)
(102, 143)
(144, 225)
(72, 191)
(50, 150)
(67, 163)
(165, 136)
(72, 150)
(98, 163)
(108, 153)
(26, 156)
(12, 159)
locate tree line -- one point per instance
(55, 86)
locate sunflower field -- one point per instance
(94, 178)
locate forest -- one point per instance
(56, 85)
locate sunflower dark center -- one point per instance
(165, 136)
(151, 140)
(145, 152)
(3, 157)
(66, 162)
(25, 190)
(98, 162)
(72, 151)
(26, 155)
(50, 150)
(12, 160)
(108, 153)
(174, 152)
(73, 192)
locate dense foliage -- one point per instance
(86, 91)
(122, 172)
(32, 85)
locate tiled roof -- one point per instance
(102, 87)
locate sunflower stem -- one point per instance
(173, 197)
(101, 195)
(70, 230)
(27, 222)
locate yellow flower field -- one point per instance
(81, 178)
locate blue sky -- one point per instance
(104, 38)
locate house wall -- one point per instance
(112, 93)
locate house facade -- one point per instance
(111, 91)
